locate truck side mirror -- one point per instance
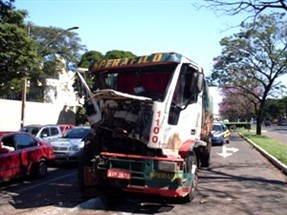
(196, 85)
(200, 81)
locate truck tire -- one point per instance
(205, 155)
(191, 162)
(205, 159)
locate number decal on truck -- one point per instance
(156, 129)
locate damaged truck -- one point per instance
(151, 118)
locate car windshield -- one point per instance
(31, 130)
(217, 128)
(150, 81)
(77, 133)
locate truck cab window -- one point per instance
(184, 92)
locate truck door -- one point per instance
(186, 92)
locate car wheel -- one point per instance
(40, 169)
(192, 168)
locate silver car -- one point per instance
(47, 133)
(67, 148)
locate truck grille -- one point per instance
(136, 168)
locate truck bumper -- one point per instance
(140, 174)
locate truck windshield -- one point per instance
(149, 81)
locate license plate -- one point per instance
(119, 173)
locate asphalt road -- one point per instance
(278, 133)
(239, 181)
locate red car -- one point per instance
(65, 127)
(22, 154)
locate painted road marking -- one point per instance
(225, 152)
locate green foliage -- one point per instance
(5, 7)
(53, 40)
(81, 118)
(89, 57)
(253, 59)
(278, 150)
(115, 54)
(236, 105)
(17, 51)
(275, 109)
(28, 51)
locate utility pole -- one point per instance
(24, 82)
(24, 89)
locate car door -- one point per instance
(28, 151)
(55, 133)
(226, 132)
(10, 165)
(45, 134)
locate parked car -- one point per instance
(219, 134)
(67, 148)
(283, 123)
(22, 154)
(65, 127)
(45, 132)
(267, 123)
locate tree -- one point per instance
(86, 61)
(52, 44)
(283, 103)
(17, 51)
(275, 109)
(118, 54)
(256, 7)
(253, 60)
(89, 57)
(236, 106)
(29, 51)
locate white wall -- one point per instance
(35, 113)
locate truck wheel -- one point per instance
(205, 154)
(192, 168)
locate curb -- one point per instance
(281, 166)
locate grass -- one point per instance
(273, 147)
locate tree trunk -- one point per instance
(259, 120)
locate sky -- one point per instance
(140, 26)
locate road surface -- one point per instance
(239, 181)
